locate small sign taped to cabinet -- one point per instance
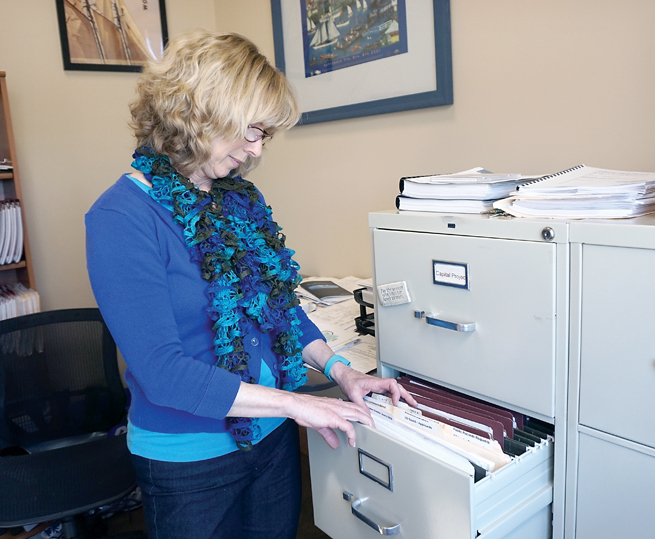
(393, 294)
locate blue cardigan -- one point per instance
(153, 299)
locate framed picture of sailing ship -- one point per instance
(111, 35)
(349, 58)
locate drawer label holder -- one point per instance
(375, 469)
(450, 274)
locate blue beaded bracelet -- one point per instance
(334, 359)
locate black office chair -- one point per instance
(60, 394)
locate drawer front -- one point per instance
(616, 489)
(429, 498)
(617, 370)
(400, 491)
(511, 298)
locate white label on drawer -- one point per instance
(393, 294)
(450, 274)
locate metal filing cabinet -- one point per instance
(512, 304)
(611, 454)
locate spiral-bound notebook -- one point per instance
(583, 180)
(584, 192)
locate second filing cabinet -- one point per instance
(611, 455)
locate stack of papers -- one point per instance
(584, 192)
(366, 286)
(11, 232)
(470, 191)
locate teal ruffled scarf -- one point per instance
(241, 252)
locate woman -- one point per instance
(194, 280)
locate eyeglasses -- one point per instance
(253, 134)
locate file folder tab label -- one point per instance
(393, 294)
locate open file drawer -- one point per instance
(386, 487)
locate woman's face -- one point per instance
(226, 156)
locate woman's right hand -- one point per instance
(319, 413)
(325, 414)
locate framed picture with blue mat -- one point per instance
(354, 58)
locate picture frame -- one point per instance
(111, 35)
(344, 82)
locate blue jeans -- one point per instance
(245, 494)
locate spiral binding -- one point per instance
(549, 176)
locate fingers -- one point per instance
(332, 439)
(360, 385)
(397, 392)
(408, 398)
(323, 415)
(394, 389)
(329, 436)
(358, 398)
(351, 411)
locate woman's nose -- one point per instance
(254, 148)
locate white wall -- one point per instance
(538, 87)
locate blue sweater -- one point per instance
(153, 299)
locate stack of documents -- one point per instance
(470, 191)
(584, 192)
(11, 232)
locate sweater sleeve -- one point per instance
(310, 331)
(128, 274)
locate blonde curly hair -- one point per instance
(208, 86)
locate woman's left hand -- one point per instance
(355, 385)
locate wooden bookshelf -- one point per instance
(10, 189)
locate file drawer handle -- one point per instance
(356, 507)
(433, 321)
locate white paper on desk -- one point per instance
(349, 283)
(337, 323)
(361, 353)
(337, 317)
